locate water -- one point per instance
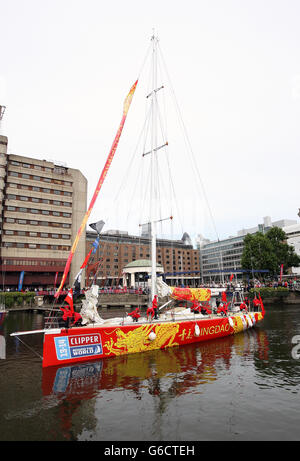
(244, 387)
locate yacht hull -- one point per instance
(79, 344)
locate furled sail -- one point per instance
(191, 294)
(184, 294)
(126, 106)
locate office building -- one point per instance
(218, 259)
(42, 206)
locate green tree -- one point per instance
(268, 251)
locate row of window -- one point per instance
(42, 168)
(36, 211)
(32, 262)
(34, 246)
(38, 178)
(37, 223)
(45, 190)
(37, 234)
(38, 200)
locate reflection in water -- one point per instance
(2, 347)
(243, 387)
(161, 374)
(192, 365)
(2, 337)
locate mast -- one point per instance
(153, 172)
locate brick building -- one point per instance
(179, 259)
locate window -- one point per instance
(33, 210)
(13, 162)
(34, 199)
(36, 189)
(36, 178)
(11, 197)
(23, 198)
(9, 232)
(47, 191)
(23, 210)
(45, 212)
(10, 220)
(25, 176)
(44, 235)
(21, 221)
(54, 236)
(33, 223)
(33, 234)
(66, 215)
(25, 165)
(31, 245)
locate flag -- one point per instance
(69, 299)
(91, 252)
(231, 277)
(224, 298)
(99, 185)
(262, 305)
(281, 272)
(21, 281)
(86, 259)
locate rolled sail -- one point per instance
(191, 294)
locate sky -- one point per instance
(66, 67)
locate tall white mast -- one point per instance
(153, 170)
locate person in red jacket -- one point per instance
(243, 307)
(135, 314)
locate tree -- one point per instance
(268, 251)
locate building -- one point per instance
(180, 261)
(293, 238)
(42, 206)
(219, 259)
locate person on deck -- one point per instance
(155, 307)
(243, 307)
(135, 314)
(223, 309)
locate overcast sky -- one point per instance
(66, 67)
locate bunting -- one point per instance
(126, 106)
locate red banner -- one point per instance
(281, 272)
(99, 185)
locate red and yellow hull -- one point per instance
(79, 344)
